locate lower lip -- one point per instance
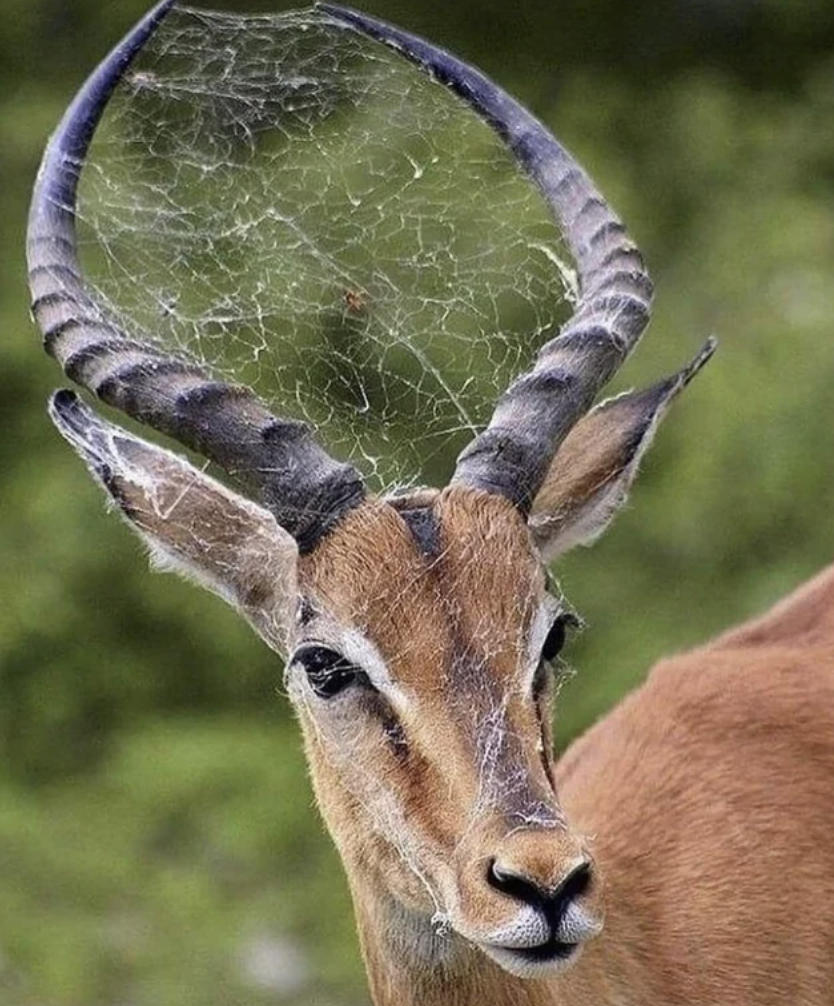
(546, 953)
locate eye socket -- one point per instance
(328, 671)
(553, 645)
(555, 640)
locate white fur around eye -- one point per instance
(356, 648)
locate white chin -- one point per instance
(537, 962)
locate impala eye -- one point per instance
(555, 640)
(327, 671)
(551, 649)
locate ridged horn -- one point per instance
(302, 485)
(532, 418)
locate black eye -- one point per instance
(555, 638)
(553, 645)
(327, 671)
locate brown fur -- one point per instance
(709, 793)
(704, 799)
(451, 629)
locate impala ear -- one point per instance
(590, 476)
(193, 524)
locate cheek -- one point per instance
(343, 774)
(371, 776)
(342, 746)
(355, 771)
(374, 810)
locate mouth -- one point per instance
(535, 961)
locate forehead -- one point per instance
(462, 577)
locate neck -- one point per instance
(412, 963)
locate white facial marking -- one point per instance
(577, 925)
(528, 929)
(360, 651)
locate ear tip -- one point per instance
(707, 351)
(62, 399)
(83, 430)
(67, 411)
(702, 358)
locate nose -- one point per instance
(554, 901)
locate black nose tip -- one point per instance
(552, 900)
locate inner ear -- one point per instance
(193, 524)
(589, 478)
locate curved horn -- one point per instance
(303, 486)
(511, 457)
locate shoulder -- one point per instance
(763, 692)
(804, 618)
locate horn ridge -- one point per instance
(306, 489)
(512, 455)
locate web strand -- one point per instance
(299, 209)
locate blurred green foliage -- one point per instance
(155, 819)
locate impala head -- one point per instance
(421, 630)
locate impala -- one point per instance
(682, 851)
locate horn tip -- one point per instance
(58, 174)
(158, 11)
(339, 12)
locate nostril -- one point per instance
(516, 885)
(574, 885)
(554, 901)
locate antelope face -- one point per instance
(421, 675)
(418, 630)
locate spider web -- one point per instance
(302, 210)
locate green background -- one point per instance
(158, 839)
